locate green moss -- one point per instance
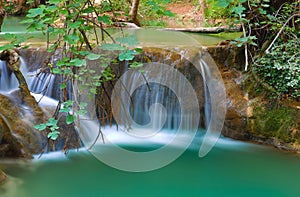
(252, 87)
(277, 122)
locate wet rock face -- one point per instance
(18, 137)
(227, 56)
(235, 125)
(35, 58)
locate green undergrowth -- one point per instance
(280, 69)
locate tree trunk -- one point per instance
(2, 15)
(203, 7)
(22, 7)
(134, 11)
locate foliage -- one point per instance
(78, 28)
(214, 11)
(14, 41)
(52, 125)
(154, 11)
(281, 68)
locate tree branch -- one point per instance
(278, 34)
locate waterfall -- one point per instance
(8, 80)
(41, 84)
(205, 71)
(148, 102)
(38, 82)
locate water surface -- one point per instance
(232, 168)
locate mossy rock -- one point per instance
(278, 122)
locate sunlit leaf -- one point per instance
(40, 127)
(35, 12)
(70, 119)
(127, 55)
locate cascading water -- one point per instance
(205, 71)
(162, 103)
(148, 102)
(8, 80)
(43, 83)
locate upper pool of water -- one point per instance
(14, 25)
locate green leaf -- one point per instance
(72, 38)
(138, 50)
(52, 8)
(127, 55)
(75, 25)
(136, 65)
(40, 127)
(51, 122)
(35, 12)
(78, 62)
(56, 70)
(53, 135)
(93, 56)
(27, 21)
(6, 46)
(9, 36)
(54, 128)
(265, 5)
(239, 9)
(93, 90)
(68, 103)
(89, 9)
(54, 2)
(168, 13)
(70, 119)
(104, 19)
(62, 86)
(222, 3)
(262, 11)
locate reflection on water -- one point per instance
(232, 168)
